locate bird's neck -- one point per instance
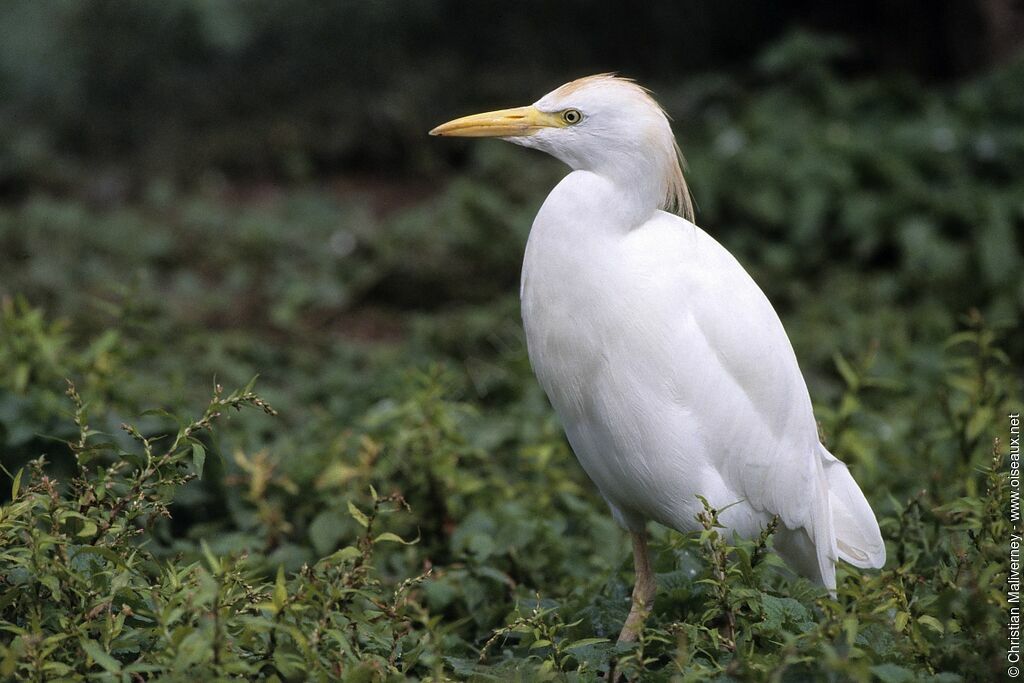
(587, 205)
(641, 182)
(634, 197)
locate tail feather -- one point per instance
(824, 537)
(842, 527)
(858, 538)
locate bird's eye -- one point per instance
(572, 116)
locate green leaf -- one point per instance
(893, 673)
(280, 590)
(394, 538)
(193, 648)
(247, 389)
(50, 581)
(57, 669)
(358, 515)
(101, 657)
(88, 529)
(17, 484)
(211, 559)
(901, 621)
(106, 553)
(345, 554)
(846, 370)
(198, 458)
(932, 623)
(961, 338)
(585, 642)
(979, 421)
(779, 611)
(361, 673)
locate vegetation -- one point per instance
(408, 508)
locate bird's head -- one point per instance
(604, 124)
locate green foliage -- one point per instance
(89, 588)
(82, 594)
(884, 175)
(414, 510)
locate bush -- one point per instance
(500, 567)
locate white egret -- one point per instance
(668, 367)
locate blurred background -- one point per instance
(191, 142)
(201, 189)
(108, 96)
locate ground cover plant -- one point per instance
(392, 498)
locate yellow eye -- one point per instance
(572, 116)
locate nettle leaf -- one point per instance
(794, 611)
(88, 529)
(893, 673)
(585, 642)
(100, 656)
(931, 623)
(51, 582)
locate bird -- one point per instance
(669, 369)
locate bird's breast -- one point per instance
(601, 353)
(570, 309)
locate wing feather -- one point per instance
(752, 382)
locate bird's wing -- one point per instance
(758, 424)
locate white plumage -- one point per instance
(669, 368)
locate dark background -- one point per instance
(109, 94)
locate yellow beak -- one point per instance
(504, 123)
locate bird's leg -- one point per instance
(643, 590)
